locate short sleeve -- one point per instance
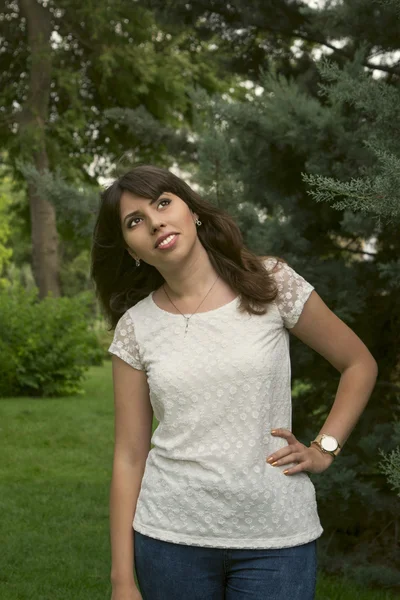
(293, 292)
(125, 344)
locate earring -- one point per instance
(198, 222)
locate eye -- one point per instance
(129, 223)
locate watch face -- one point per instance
(329, 443)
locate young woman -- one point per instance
(221, 507)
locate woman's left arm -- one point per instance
(324, 332)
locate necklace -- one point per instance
(187, 318)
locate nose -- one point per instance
(157, 230)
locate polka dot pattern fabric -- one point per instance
(217, 393)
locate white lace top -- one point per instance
(217, 393)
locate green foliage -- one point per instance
(75, 275)
(5, 232)
(46, 346)
(76, 205)
(114, 56)
(378, 106)
(218, 178)
(15, 244)
(252, 154)
(391, 463)
(20, 275)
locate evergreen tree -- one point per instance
(263, 156)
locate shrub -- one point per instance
(45, 345)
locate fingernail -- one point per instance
(286, 472)
(274, 463)
(270, 459)
(273, 430)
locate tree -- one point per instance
(32, 124)
(332, 127)
(63, 66)
(376, 192)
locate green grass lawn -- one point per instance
(55, 471)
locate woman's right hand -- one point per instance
(126, 593)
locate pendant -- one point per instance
(187, 324)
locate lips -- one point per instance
(164, 237)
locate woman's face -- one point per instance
(169, 213)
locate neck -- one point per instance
(192, 281)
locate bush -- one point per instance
(45, 345)
(104, 337)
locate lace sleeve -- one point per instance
(124, 343)
(293, 293)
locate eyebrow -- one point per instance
(137, 212)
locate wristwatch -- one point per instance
(327, 444)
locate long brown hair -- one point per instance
(120, 284)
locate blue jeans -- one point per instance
(169, 571)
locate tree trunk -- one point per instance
(32, 123)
